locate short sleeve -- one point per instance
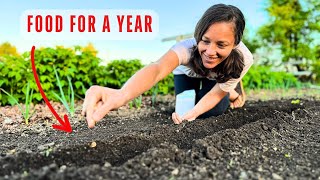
(183, 50)
(248, 61)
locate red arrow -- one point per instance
(65, 125)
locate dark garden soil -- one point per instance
(272, 139)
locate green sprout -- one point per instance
(287, 155)
(25, 174)
(46, 152)
(136, 102)
(297, 101)
(70, 106)
(154, 95)
(131, 104)
(230, 164)
(26, 110)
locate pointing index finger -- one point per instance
(93, 97)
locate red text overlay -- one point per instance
(90, 24)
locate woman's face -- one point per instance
(216, 44)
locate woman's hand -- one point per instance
(237, 96)
(189, 116)
(99, 101)
(238, 102)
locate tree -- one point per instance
(8, 49)
(252, 43)
(90, 48)
(293, 27)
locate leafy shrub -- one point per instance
(78, 63)
(316, 71)
(81, 68)
(165, 86)
(16, 72)
(261, 77)
(14, 76)
(117, 72)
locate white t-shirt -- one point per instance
(183, 51)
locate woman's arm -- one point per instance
(207, 102)
(100, 100)
(148, 76)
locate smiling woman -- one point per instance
(212, 63)
(216, 44)
(214, 57)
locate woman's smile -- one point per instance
(210, 58)
(216, 44)
(210, 61)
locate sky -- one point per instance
(175, 18)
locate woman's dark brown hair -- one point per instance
(233, 65)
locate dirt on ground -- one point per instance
(272, 139)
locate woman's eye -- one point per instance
(221, 46)
(206, 41)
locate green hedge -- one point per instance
(79, 63)
(261, 77)
(16, 71)
(85, 70)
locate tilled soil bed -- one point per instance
(272, 139)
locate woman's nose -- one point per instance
(211, 50)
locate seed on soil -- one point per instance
(12, 151)
(276, 176)
(45, 146)
(93, 144)
(7, 121)
(268, 141)
(62, 168)
(264, 127)
(175, 172)
(107, 164)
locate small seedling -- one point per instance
(287, 155)
(297, 101)
(154, 95)
(131, 104)
(138, 102)
(24, 111)
(70, 106)
(47, 152)
(230, 163)
(25, 174)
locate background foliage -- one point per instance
(261, 77)
(85, 70)
(79, 63)
(293, 28)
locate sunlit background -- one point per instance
(175, 18)
(283, 37)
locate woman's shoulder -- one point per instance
(183, 50)
(247, 55)
(186, 43)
